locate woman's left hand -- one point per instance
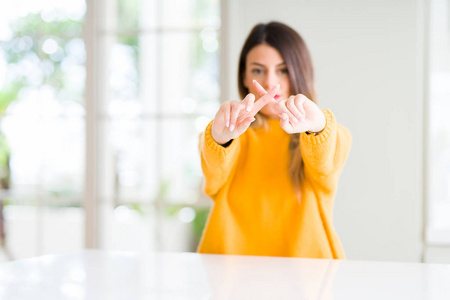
(297, 113)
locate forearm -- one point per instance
(217, 161)
(326, 152)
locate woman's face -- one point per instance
(265, 65)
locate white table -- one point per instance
(93, 274)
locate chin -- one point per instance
(270, 115)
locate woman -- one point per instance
(272, 165)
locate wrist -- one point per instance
(221, 142)
(226, 144)
(320, 125)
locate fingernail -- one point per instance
(294, 120)
(284, 116)
(248, 108)
(231, 127)
(227, 124)
(253, 120)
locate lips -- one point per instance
(276, 97)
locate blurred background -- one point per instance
(102, 102)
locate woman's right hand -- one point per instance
(234, 117)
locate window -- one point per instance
(132, 130)
(158, 87)
(42, 131)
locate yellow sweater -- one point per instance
(256, 211)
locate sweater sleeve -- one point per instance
(217, 161)
(325, 154)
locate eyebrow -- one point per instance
(261, 65)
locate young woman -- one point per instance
(272, 161)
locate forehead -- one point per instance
(264, 54)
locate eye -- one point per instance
(257, 71)
(284, 71)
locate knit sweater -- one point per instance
(255, 208)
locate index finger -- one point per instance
(268, 97)
(261, 91)
(249, 100)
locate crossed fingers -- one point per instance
(248, 108)
(290, 109)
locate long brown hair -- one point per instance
(298, 61)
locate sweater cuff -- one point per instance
(214, 150)
(324, 134)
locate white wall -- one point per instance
(369, 65)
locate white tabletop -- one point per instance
(93, 274)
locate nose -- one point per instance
(270, 81)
